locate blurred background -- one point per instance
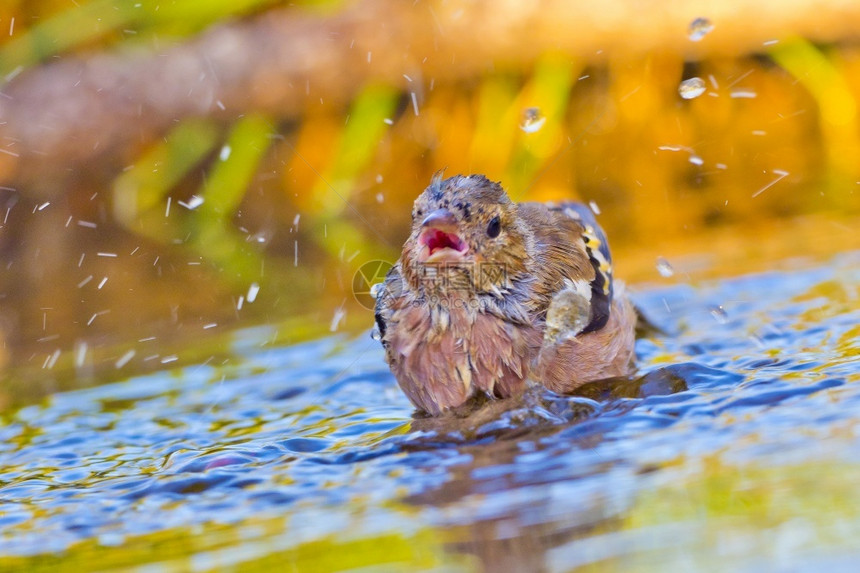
(172, 170)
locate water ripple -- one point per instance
(318, 435)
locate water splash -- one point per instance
(719, 314)
(532, 120)
(692, 88)
(316, 438)
(699, 28)
(664, 267)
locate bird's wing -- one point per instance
(600, 258)
(392, 288)
(574, 263)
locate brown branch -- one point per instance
(56, 117)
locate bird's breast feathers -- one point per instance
(443, 355)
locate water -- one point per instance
(532, 120)
(692, 88)
(699, 28)
(735, 446)
(664, 267)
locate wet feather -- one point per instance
(465, 309)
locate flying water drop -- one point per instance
(124, 359)
(339, 315)
(664, 268)
(719, 314)
(532, 120)
(699, 28)
(692, 88)
(253, 290)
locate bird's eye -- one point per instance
(494, 228)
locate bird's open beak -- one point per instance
(440, 240)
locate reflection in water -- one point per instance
(310, 455)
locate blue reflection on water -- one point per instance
(318, 433)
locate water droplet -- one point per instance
(80, 354)
(253, 289)
(376, 290)
(594, 207)
(123, 360)
(719, 314)
(375, 334)
(532, 120)
(664, 268)
(692, 88)
(743, 94)
(193, 202)
(339, 315)
(699, 28)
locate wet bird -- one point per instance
(489, 294)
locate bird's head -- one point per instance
(470, 225)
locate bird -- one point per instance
(490, 296)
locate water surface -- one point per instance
(735, 447)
